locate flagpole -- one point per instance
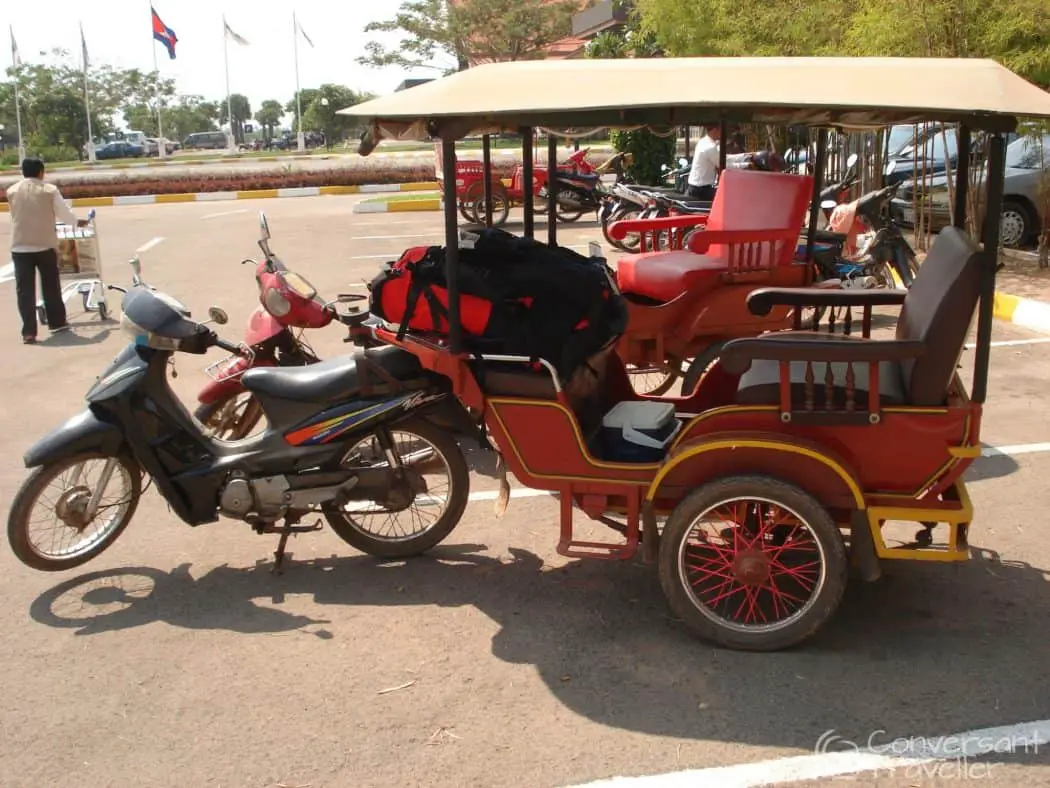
(87, 95)
(229, 101)
(16, 62)
(298, 101)
(162, 149)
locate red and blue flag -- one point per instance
(164, 34)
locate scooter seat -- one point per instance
(327, 381)
(664, 276)
(580, 177)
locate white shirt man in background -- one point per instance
(35, 208)
(703, 177)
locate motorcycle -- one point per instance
(329, 445)
(633, 201)
(287, 301)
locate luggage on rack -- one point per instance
(518, 296)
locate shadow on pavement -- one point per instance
(928, 650)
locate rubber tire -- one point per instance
(828, 534)
(203, 413)
(21, 509)
(1029, 222)
(699, 365)
(444, 443)
(620, 216)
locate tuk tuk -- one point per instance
(755, 494)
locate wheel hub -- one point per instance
(72, 507)
(751, 567)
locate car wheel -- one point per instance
(1015, 224)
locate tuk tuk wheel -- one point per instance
(699, 365)
(752, 563)
(654, 380)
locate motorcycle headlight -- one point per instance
(141, 336)
(275, 303)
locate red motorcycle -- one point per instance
(287, 302)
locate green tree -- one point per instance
(306, 96)
(467, 32)
(181, 117)
(321, 114)
(648, 149)
(269, 117)
(242, 113)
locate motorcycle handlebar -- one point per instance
(229, 347)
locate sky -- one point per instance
(119, 32)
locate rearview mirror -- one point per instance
(264, 226)
(683, 162)
(217, 315)
(136, 266)
(828, 205)
(851, 161)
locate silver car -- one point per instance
(1025, 189)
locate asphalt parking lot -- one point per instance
(176, 658)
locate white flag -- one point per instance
(233, 36)
(308, 41)
(15, 59)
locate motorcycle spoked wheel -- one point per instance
(633, 242)
(231, 417)
(654, 380)
(539, 206)
(69, 508)
(351, 520)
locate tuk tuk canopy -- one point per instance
(853, 93)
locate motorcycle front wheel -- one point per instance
(438, 476)
(72, 499)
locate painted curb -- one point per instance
(259, 194)
(398, 206)
(1024, 312)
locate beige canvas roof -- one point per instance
(850, 92)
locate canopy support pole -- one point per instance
(486, 165)
(962, 175)
(993, 209)
(552, 189)
(818, 184)
(527, 179)
(448, 165)
(723, 133)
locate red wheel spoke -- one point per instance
(773, 589)
(806, 573)
(754, 609)
(711, 573)
(736, 587)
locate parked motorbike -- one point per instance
(633, 201)
(329, 445)
(287, 301)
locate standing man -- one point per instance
(703, 177)
(35, 208)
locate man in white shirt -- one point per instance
(703, 177)
(35, 208)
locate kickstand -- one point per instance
(289, 528)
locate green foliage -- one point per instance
(321, 115)
(468, 32)
(269, 117)
(37, 145)
(648, 151)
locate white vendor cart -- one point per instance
(80, 266)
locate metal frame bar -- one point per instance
(818, 184)
(985, 315)
(486, 165)
(962, 175)
(448, 159)
(527, 177)
(552, 189)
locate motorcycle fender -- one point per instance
(449, 414)
(231, 380)
(85, 432)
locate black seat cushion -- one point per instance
(938, 311)
(514, 380)
(327, 381)
(760, 385)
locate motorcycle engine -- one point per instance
(237, 498)
(266, 497)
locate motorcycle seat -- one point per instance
(331, 380)
(828, 237)
(585, 178)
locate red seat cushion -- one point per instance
(666, 275)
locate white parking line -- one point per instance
(7, 273)
(224, 213)
(1012, 342)
(149, 245)
(387, 237)
(908, 758)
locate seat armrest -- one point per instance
(621, 228)
(737, 354)
(762, 300)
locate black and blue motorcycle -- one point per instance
(356, 439)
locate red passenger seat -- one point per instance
(745, 200)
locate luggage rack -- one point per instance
(78, 254)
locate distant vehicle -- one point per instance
(1019, 224)
(119, 149)
(154, 146)
(205, 140)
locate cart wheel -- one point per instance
(752, 563)
(41, 316)
(103, 311)
(500, 204)
(654, 380)
(699, 365)
(465, 208)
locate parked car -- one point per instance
(926, 155)
(1027, 170)
(119, 149)
(215, 140)
(154, 146)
